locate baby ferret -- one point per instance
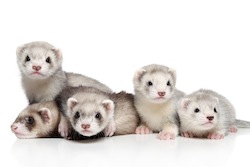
(90, 111)
(43, 79)
(205, 113)
(37, 121)
(156, 100)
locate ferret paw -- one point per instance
(215, 136)
(166, 136)
(142, 129)
(63, 130)
(187, 134)
(110, 129)
(233, 129)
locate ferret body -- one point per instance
(43, 79)
(156, 100)
(37, 121)
(205, 113)
(90, 112)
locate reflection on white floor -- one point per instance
(133, 150)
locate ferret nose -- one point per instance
(13, 127)
(210, 118)
(37, 68)
(161, 93)
(85, 126)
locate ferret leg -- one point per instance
(216, 135)
(143, 129)
(169, 132)
(233, 129)
(110, 129)
(63, 127)
(187, 134)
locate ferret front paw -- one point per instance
(142, 129)
(110, 129)
(166, 135)
(233, 129)
(215, 136)
(63, 130)
(187, 134)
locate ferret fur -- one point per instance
(43, 79)
(156, 100)
(205, 113)
(37, 121)
(117, 111)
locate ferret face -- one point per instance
(38, 61)
(156, 86)
(201, 114)
(31, 123)
(90, 118)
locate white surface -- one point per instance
(207, 42)
(132, 150)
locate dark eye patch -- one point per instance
(27, 58)
(48, 60)
(77, 115)
(29, 120)
(98, 116)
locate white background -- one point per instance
(207, 42)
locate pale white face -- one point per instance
(38, 62)
(89, 118)
(200, 114)
(21, 131)
(158, 87)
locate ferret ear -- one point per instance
(20, 49)
(185, 103)
(138, 75)
(72, 102)
(57, 52)
(45, 114)
(109, 106)
(172, 71)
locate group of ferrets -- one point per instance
(77, 107)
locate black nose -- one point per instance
(210, 118)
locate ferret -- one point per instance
(156, 100)
(207, 114)
(43, 79)
(38, 120)
(90, 112)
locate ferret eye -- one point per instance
(150, 83)
(215, 110)
(48, 60)
(27, 58)
(29, 120)
(168, 83)
(77, 115)
(98, 116)
(196, 110)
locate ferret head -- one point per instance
(200, 111)
(33, 123)
(155, 82)
(89, 117)
(38, 60)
